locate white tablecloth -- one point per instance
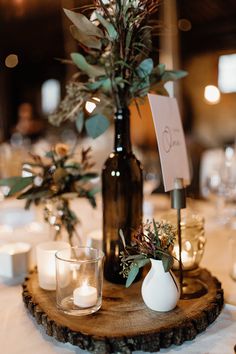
(19, 333)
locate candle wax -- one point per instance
(85, 296)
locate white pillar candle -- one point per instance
(46, 263)
(14, 259)
(85, 295)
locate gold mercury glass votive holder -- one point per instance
(193, 238)
(79, 273)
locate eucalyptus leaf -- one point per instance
(92, 202)
(132, 274)
(32, 194)
(88, 177)
(172, 75)
(142, 262)
(167, 262)
(108, 26)
(145, 68)
(159, 69)
(93, 86)
(96, 125)
(134, 257)
(83, 24)
(74, 165)
(79, 122)
(86, 39)
(9, 181)
(94, 191)
(106, 85)
(17, 184)
(178, 74)
(91, 70)
(28, 204)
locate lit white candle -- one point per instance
(186, 259)
(85, 295)
(14, 259)
(46, 263)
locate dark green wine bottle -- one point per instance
(122, 191)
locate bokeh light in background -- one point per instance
(212, 94)
(51, 95)
(11, 61)
(184, 25)
(227, 73)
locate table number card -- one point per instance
(170, 139)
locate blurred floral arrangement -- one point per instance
(53, 181)
(115, 68)
(152, 240)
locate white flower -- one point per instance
(38, 181)
(26, 170)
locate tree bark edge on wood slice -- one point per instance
(153, 330)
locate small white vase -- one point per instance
(160, 289)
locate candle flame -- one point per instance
(85, 283)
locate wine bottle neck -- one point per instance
(122, 131)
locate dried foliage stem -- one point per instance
(115, 42)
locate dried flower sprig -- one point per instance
(152, 240)
(114, 62)
(55, 179)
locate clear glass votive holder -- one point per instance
(46, 262)
(79, 273)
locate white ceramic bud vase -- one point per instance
(160, 289)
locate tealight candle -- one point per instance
(85, 295)
(46, 263)
(186, 259)
(79, 280)
(14, 259)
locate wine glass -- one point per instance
(151, 180)
(220, 187)
(151, 172)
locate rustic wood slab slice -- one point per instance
(124, 324)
